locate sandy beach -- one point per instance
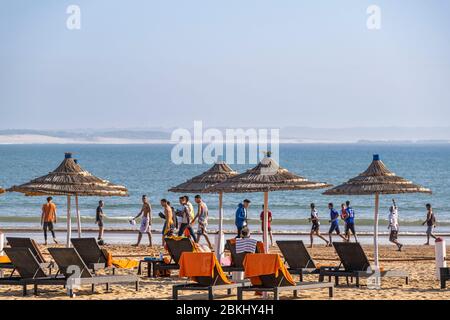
(417, 260)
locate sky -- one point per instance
(228, 63)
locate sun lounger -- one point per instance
(30, 271)
(445, 276)
(354, 263)
(205, 272)
(298, 258)
(91, 253)
(237, 259)
(176, 247)
(68, 260)
(34, 248)
(268, 273)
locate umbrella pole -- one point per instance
(375, 231)
(69, 223)
(78, 216)
(220, 235)
(266, 222)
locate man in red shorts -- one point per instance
(269, 214)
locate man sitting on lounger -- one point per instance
(245, 243)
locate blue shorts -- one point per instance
(334, 227)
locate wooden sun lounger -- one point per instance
(445, 276)
(237, 259)
(34, 248)
(209, 284)
(30, 271)
(279, 284)
(175, 249)
(354, 263)
(91, 253)
(68, 258)
(297, 257)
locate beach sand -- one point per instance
(417, 260)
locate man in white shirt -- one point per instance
(393, 226)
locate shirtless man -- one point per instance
(168, 223)
(146, 222)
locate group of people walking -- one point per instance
(180, 221)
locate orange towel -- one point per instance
(200, 264)
(4, 259)
(260, 247)
(256, 265)
(108, 257)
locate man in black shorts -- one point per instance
(315, 227)
(99, 219)
(350, 222)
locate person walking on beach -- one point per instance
(99, 215)
(185, 213)
(349, 221)
(431, 224)
(334, 223)
(269, 216)
(202, 217)
(146, 222)
(315, 227)
(168, 226)
(48, 218)
(241, 217)
(393, 225)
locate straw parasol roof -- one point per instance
(376, 179)
(219, 172)
(266, 176)
(70, 179)
(2, 190)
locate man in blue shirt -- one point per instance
(350, 222)
(334, 223)
(241, 217)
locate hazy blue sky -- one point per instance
(226, 62)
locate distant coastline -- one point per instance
(288, 135)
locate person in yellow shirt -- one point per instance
(48, 218)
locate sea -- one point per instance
(148, 169)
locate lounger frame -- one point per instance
(275, 285)
(355, 264)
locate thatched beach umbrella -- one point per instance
(69, 179)
(2, 190)
(376, 180)
(218, 173)
(267, 176)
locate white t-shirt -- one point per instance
(393, 220)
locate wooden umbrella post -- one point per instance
(220, 235)
(69, 223)
(375, 231)
(266, 222)
(78, 216)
